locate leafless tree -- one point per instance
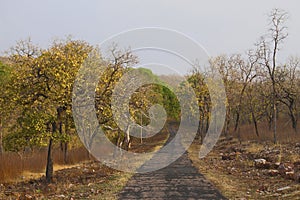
(287, 79)
(268, 49)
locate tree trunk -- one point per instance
(293, 117)
(201, 129)
(49, 165)
(66, 153)
(275, 122)
(270, 119)
(237, 121)
(226, 128)
(256, 127)
(60, 132)
(207, 123)
(127, 138)
(1, 137)
(66, 161)
(294, 123)
(238, 112)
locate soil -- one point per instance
(232, 166)
(86, 180)
(179, 180)
(82, 182)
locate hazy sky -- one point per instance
(229, 26)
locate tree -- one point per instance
(197, 81)
(287, 80)
(267, 53)
(116, 66)
(42, 86)
(4, 80)
(229, 70)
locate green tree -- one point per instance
(42, 84)
(4, 110)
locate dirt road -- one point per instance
(180, 180)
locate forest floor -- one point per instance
(247, 170)
(251, 170)
(85, 180)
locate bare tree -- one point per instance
(247, 74)
(229, 73)
(287, 80)
(268, 49)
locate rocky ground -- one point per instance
(252, 170)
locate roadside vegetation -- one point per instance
(258, 154)
(37, 131)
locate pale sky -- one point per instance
(230, 26)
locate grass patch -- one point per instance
(227, 184)
(115, 184)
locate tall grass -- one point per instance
(12, 165)
(285, 132)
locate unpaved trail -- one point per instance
(179, 180)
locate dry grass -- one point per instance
(238, 178)
(15, 166)
(255, 147)
(228, 185)
(285, 132)
(115, 184)
(87, 180)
